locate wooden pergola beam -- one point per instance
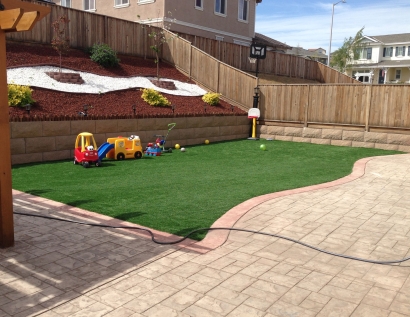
(16, 16)
(27, 21)
(10, 18)
(27, 6)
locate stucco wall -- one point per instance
(206, 23)
(188, 19)
(131, 12)
(54, 140)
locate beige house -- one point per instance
(384, 59)
(225, 20)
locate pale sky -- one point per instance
(306, 23)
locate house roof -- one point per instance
(268, 41)
(315, 49)
(298, 51)
(391, 38)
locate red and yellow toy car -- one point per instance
(85, 150)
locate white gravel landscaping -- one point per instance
(36, 77)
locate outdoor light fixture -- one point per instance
(205, 107)
(85, 107)
(256, 97)
(331, 29)
(28, 108)
(232, 108)
(134, 109)
(173, 108)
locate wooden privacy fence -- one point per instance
(367, 106)
(213, 64)
(275, 63)
(85, 29)
(236, 86)
(126, 37)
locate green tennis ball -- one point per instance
(263, 147)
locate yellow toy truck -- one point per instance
(121, 148)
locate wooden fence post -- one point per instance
(217, 80)
(276, 63)
(240, 57)
(105, 29)
(368, 106)
(190, 60)
(144, 38)
(305, 124)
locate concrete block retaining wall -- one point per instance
(54, 140)
(337, 137)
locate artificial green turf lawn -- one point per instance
(182, 191)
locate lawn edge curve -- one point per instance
(214, 238)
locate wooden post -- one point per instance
(240, 57)
(17, 16)
(368, 106)
(190, 60)
(307, 108)
(6, 199)
(219, 75)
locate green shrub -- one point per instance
(104, 55)
(19, 95)
(154, 98)
(211, 98)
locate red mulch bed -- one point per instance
(50, 103)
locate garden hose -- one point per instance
(220, 228)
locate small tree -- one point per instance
(159, 38)
(349, 51)
(60, 42)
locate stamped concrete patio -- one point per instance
(65, 269)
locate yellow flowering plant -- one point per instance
(154, 98)
(19, 95)
(211, 98)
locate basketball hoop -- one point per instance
(252, 60)
(254, 113)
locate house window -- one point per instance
(66, 3)
(400, 50)
(121, 3)
(220, 7)
(89, 5)
(198, 4)
(398, 74)
(364, 79)
(243, 7)
(366, 53)
(388, 51)
(408, 50)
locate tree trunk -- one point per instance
(157, 57)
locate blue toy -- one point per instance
(155, 149)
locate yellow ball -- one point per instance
(206, 141)
(177, 146)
